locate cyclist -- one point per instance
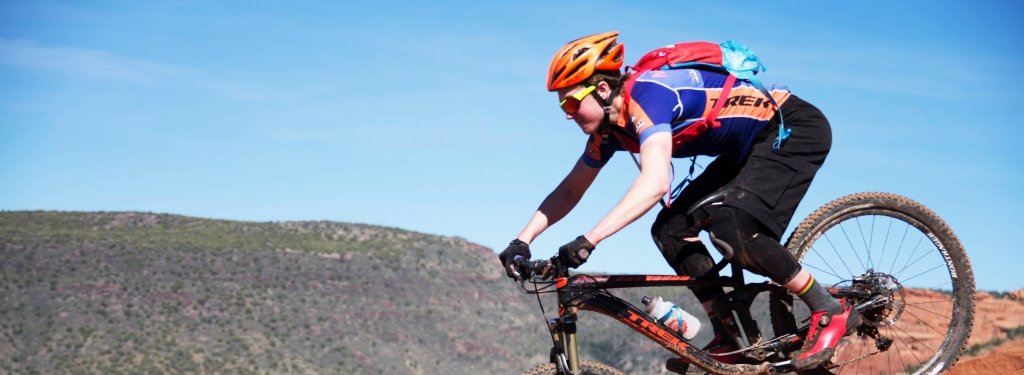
(762, 187)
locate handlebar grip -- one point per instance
(521, 267)
(528, 268)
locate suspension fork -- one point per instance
(565, 352)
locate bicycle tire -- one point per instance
(847, 213)
(586, 368)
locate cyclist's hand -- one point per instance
(507, 257)
(575, 253)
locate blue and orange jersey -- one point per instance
(671, 100)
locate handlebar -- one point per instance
(539, 267)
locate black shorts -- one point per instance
(766, 185)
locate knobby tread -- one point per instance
(841, 208)
(587, 367)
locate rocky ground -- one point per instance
(994, 318)
(1004, 359)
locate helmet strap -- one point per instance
(606, 123)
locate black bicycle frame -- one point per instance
(584, 292)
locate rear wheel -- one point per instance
(910, 258)
(586, 368)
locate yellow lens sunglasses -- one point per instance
(571, 104)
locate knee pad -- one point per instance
(731, 230)
(738, 236)
(769, 258)
(692, 259)
(687, 258)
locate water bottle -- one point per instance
(673, 317)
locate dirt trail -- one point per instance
(1004, 360)
(921, 329)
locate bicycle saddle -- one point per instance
(716, 197)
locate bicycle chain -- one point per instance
(834, 365)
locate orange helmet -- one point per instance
(579, 59)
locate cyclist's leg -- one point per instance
(738, 234)
(676, 234)
(752, 247)
(768, 189)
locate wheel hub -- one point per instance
(886, 301)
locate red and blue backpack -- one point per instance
(730, 57)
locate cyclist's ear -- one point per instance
(604, 90)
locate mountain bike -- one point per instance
(896, 261)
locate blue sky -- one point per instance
(433, 116)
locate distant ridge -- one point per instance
(136, 292)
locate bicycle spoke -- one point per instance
(943, 334)
(871, 242)
(857, 345)
(888, 364)
(916, 339)
(950, 283)
(915, 265)
(916, 247)
(834, 250)
(835, 273)
(909, 349)
(884, 243)
(844, 364)
(819, 269)
(922, 273)
(905, 267)
(892, 333)
(930, 311)
(864, 239)
(853, 249)
(899, 248)
(927, 302)
(846, 348)
(861, 353)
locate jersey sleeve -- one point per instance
(653, 107)
(599, 150)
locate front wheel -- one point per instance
(909, 254)
(586, 368)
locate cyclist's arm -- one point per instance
(561, 200)
(646, 191)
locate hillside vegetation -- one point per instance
(124, 292)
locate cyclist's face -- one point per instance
(580, 107)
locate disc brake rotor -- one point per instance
(888, 302)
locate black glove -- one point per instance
(515, 248)
(575, 253)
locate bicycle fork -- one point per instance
(564, 352)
